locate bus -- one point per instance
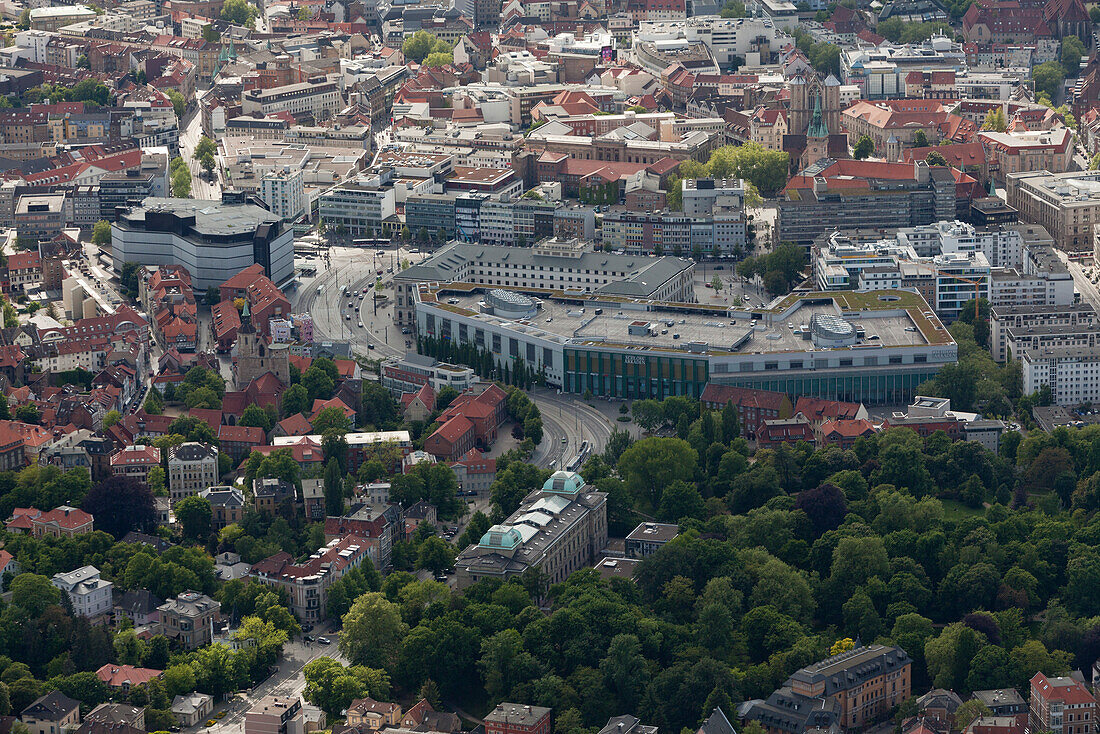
(371, 242)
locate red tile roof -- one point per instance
(742, 396)
(295, 425)
(119, 676)
(241, 434)
(845, 428)
(454, 429)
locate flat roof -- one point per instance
(568, 321)
(211, 217)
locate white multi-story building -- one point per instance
(750, 39)
(703, 196)
(566, 265)
(321, 100)
(413, 371)
(881, 72)
(90, 595)
(361, 205)
(32, 44)
(960, 278)
(192, 468)
(1072, 373)
(1003, 247)
(950, 262)
(498, 222)
(284, 193)
(1037, 326)
(212, 239)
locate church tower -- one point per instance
(256, 357)
(817, 136)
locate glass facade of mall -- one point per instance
(633, 375)
(654, 376)
(870, 388)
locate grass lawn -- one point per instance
(955, 510)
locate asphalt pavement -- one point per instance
(287, 681)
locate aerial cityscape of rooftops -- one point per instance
(550, 366)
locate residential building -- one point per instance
(60, 522)
(189, 619)
(648, 538)
(125, 677)
(422, 717)
(226, 505)
(1062, 705)
(53, 713)
(284, 193)
(117, 714)
(475, 473)
(849, 690)
(752, 406)
(275, 715)
(192, 709)
(627, 724)
(844, 432)
(774, 431)
(269, 494)
(90, 595)
(1066, 204)
(560, 528)
(212, 240)
(374, 715)
(512, 718)
(307, 583)
(192, 468)
(1003, 701)
(135, 462)
(1071, 373)
(1038, 327)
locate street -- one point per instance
(1088, 290)
(288, 681)
(189, 138)
(371, 331)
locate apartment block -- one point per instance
(275, 715)
(192, 468)
(1061, 705)
(307, 583)
(850, 690)
(189, 619)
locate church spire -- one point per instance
(247, 327)
(817, 127)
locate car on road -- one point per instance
(307, 638)
(406, 330)
(370, 346)
(347, 316)
(360, 324)
(324, 640)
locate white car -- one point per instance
(360, 324)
